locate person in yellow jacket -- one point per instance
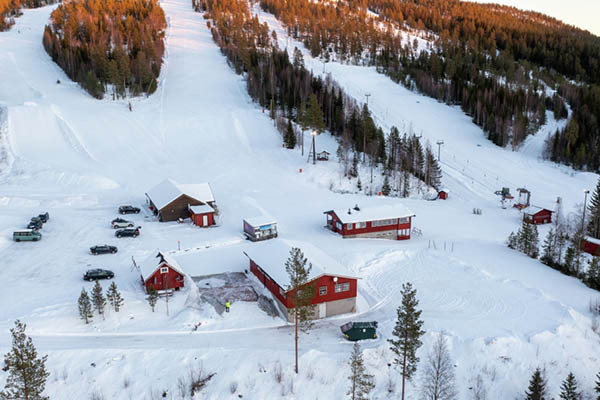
(227, 304)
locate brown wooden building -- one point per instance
(170, 200)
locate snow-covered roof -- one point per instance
(203, 209)
(592, 240)
(260, 220)
(445, 190)
(532, 210)
(271, 256)
(372, 213)
(169, 190)
(150, 264)
(213, 260)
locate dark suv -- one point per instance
(35, 225)
(95, 274)
(44, 217)
(129, 210)
(129, 232)
(103, 249)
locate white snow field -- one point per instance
(78, 158)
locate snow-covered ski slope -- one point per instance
(79, 158)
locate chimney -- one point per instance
(349, 211)
(356, 207)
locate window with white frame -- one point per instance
(322, 290)
(349, 226)
(342, 287)
(362, 225)
(404, 220)
(164, 270)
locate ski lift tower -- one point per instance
(506, 196)
(524, 198)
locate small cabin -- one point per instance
(443, 194)
(260, 228)
(323, 155)
(537, 215)
(355, 331)
(591, 246)
(202, 216)
(161, 272)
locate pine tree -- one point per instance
(85, 307)
(533, 250)
(27, 373)
(592, 275)
(568, 389)
(593, 227)
(359, 184)
(569, 264)
(512, 241)
(314, 115)
(408, 334)
(299, 293)
(385, 189)
(152, 297)
(433, 172)
(290, 136)
(361, 383)
(537, 387)
(114, 297)
(597, 388)
(98, 299)
(354, 170)
(549, 253)
(438, 375)
(405, 184)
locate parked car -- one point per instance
(44, 217)
(36, 220)
(121, 223)
(26, 235)
(132, 232)
(129, 210)
(35, 225)
(103, 249)
(95, 274)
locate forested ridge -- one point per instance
(107, 44)
(9, 9)
(503, 66)
(292, 93)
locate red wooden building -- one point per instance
(537, 215)
(335, 289)
(443, 194)
(161, 271)
(387, 222)
(203, 215)
(591, 246)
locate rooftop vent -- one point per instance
(356, 207)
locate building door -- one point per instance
(205, 220)
(322, 310)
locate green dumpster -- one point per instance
(359, 330)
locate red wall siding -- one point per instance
(371, 227)
(268, 282)
(197, 219)
(591, 248)
(162, 283)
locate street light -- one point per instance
(586, 192)
(314, 133)
(439, 143)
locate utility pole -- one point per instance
(439, 143)
(314, 147)
(585, 192)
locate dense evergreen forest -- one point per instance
(106, 44)
(503, 66)
(10, 9)
(291, 93)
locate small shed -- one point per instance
(260, 228)
(160, 271)
(354, 331)
(443, 194)
(537, 215)
(203, 216)
(591, 245)
(323, 155)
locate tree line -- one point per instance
(506, 68)
(11, 9)
(108, 46)
(297, 99)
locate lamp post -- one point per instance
(585, 192)
(314, 133)
(439, 143)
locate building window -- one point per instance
(342, 287)
(362, 225)
(164, 270)
(322, 290)
(349, 226)
(404, 220)
(282, 292)
(155, 281)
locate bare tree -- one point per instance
(437, 381)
